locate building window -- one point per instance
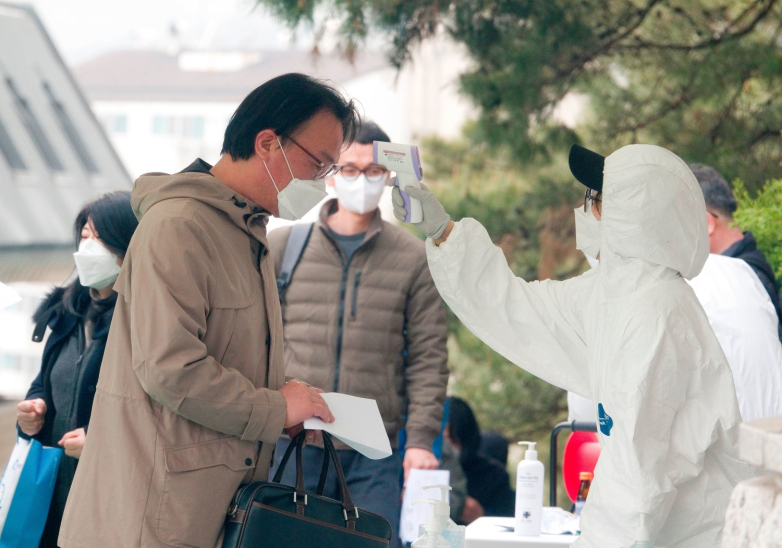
(34, 128)
(9, 150)
(118, 124)
(71, 133)
(163, 125)
(193, 127)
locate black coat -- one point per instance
(53, 314)
(488, 483)
(747, 250)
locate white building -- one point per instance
(54, 157)
(161, 110)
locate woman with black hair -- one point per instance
(488, 483)
(56, 410)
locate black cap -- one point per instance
(587, 167)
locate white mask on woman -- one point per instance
(359, 195)
(97, 266)
(588, 232)
(300, 196)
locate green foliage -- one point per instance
(701, 77)
(763, 216)
(515, 205)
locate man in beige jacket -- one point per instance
(192, 394)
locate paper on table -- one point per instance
(357, 422)
(8, 296)
(413, 516)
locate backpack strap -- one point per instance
(294, 248)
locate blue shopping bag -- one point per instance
(26, 493)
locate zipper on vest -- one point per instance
(355, 295)
(340, 321)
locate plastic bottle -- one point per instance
(583, 490)
(529, 492)
(642, 537)
(431, 537)
(451, 532)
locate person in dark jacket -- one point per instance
(56, 410)
(488, 483)
(727, 239)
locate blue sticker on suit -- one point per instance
(606, 422)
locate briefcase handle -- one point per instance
(300, 496)
(284, 462)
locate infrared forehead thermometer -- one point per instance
(405, 162)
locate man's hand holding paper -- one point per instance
(357, 423)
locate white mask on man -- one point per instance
(359, 195)
(300, 196)
(98, 267)
(588, 232)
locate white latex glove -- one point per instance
(435, 218)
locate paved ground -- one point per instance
(7, 432)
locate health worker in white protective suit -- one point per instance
(630, 335)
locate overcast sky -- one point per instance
(83, 29)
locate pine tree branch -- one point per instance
(570, 71)
(640, 44)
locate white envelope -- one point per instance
(357, 422)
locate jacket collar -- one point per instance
(197, 182)
(52, 314)
(331, 206)
(744, 245)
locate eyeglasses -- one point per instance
(374, 173)
(324, 170)
(590, 196)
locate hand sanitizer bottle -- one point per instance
(642, 536)
(529, 492)
(451, 532)
(431, 537)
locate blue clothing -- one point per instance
(373, 484)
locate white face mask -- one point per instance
(96, 265)
(300, 196)
(359, 195)
(588, 233)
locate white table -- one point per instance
(498, 533)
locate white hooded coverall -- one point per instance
(631, 336)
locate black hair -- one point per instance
(463, 428)
(368, 132)
(114, 222)
(284, 104)
(717, 192)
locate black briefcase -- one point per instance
(268, 514)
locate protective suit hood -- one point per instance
(651, 211)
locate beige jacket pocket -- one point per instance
(199, 482)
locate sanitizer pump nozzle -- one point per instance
(643, 539)
(406, 163)
(451, 532)
(431, 537)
